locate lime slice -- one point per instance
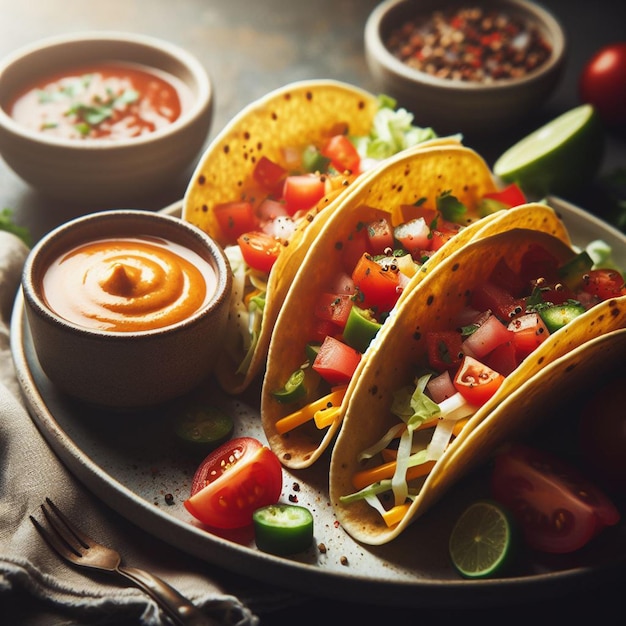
(559, 158)
(481, 540)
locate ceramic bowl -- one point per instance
(126, 369)
(115, 171)
(453, 104)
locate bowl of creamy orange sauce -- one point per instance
(127, 308)
(103, 117)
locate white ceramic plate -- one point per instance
(132, 465)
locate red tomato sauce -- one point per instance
(105, 101)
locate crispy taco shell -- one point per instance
(427, 172)
(441, 296)
(295, 115)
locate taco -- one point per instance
(264, 181)
(375, 249)
(464, 359)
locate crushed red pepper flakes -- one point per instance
(472, 44)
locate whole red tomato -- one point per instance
(603, 83)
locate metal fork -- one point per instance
(70, 543)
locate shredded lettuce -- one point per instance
(392, 131)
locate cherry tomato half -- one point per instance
(604, 283)
(239, 477)
(259, 250)
(557, 508)
(602, 83)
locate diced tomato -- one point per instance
(336, 362)
(379, 235)
(487, 337)
(604, 283)
(503, 359)
(414, 236)
(322, 329)
(354, 247)
(443, 233)
(270, 175)
(444, 350)
(235, 219)
(342, 154)
(334, 307)
(302, 192)
(529, 332)
(505, 277)
(510, 196)
(477, 382)
(538, 262)
(488, 296)
(378, 287)
(259, 250)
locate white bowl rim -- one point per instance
(379, 50)
(222, 288)
(198, 107)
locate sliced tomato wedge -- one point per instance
(511, 195)
(476, 382)
(259, 250)
(237, 478)
(557, 508)
(336, 362)
(342, 154)
(235, 219)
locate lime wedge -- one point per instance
(559, 158)
(481, 540)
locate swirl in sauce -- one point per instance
(128, 284)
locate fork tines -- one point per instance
(64, 535)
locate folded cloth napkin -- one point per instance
(37, 586)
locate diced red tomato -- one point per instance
(379, 235)
(487, 337)
(302, 192)
(334, 307)
(235, 219)
(354, 247)
(505, 277)
(443, 233)
(270, 175)
(378, 287)
(503, 359)
(414, 236)
(233, 481)
(538, 262)
(477, 382)
(336, 362)
(444, 350)
(322, 329)
(510, 196)
(488, 296)
(259, 250)
(342, 154)
(529, 332)
(604, 283)
(440, 387)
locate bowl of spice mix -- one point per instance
(103, 117)
(476, 68)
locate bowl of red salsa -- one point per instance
(103, 117)
(465, 66)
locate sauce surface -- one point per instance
(106, 101)
(128, 284)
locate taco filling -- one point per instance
(286, 194)
(505, 318)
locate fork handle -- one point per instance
(179, 608)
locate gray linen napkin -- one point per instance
(29, 471)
